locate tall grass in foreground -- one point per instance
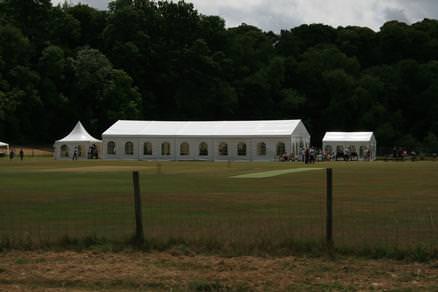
(179, 246)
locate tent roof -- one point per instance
(348, 137)
(2, 144)
(125, 128)
(78, 134)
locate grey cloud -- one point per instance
(396, 14)
(259, 16)
(99, 4)
(427, 9)
(284, 14)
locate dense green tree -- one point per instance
(102, 94)
(32, 17)
(14, 47)
(431, 143)
(163, 60)
(359, 42)
(91, 24)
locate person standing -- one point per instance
(312, 155)
(306, 156)
(11, 154)
(75, 154)
(21, 154)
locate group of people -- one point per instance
(12, 154)
(93, 153)
(308, 155)
(311, 155)
(398, 153)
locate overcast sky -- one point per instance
(284, 14)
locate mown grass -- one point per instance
(381, 208)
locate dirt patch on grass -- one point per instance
(82, 271)
(100, 168)
(37, 151)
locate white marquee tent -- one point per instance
(78, 140)
(359, 142)
(4, 149)
(206, 140)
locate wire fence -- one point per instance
(273, 215)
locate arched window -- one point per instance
(64, 151)
(129, 148)
(203, 149)
(111, 147)
(281, 148)
(165, 149)
(147, 148)
(241, 149)
(223, 149)
(261, 149)
(184, 149)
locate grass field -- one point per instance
(200, 205)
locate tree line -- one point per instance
(160, 60)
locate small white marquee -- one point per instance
(362, 143)
(79, 142)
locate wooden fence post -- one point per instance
(139, 234)
(329, 211)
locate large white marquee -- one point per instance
(204, 140)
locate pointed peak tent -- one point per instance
(78, 134)
(78, 141)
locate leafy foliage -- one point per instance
(148, 59)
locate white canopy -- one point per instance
(78, 134)
(271, 128)
(348, 137)
(204, 140)
(2, 144)
(362, 143)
